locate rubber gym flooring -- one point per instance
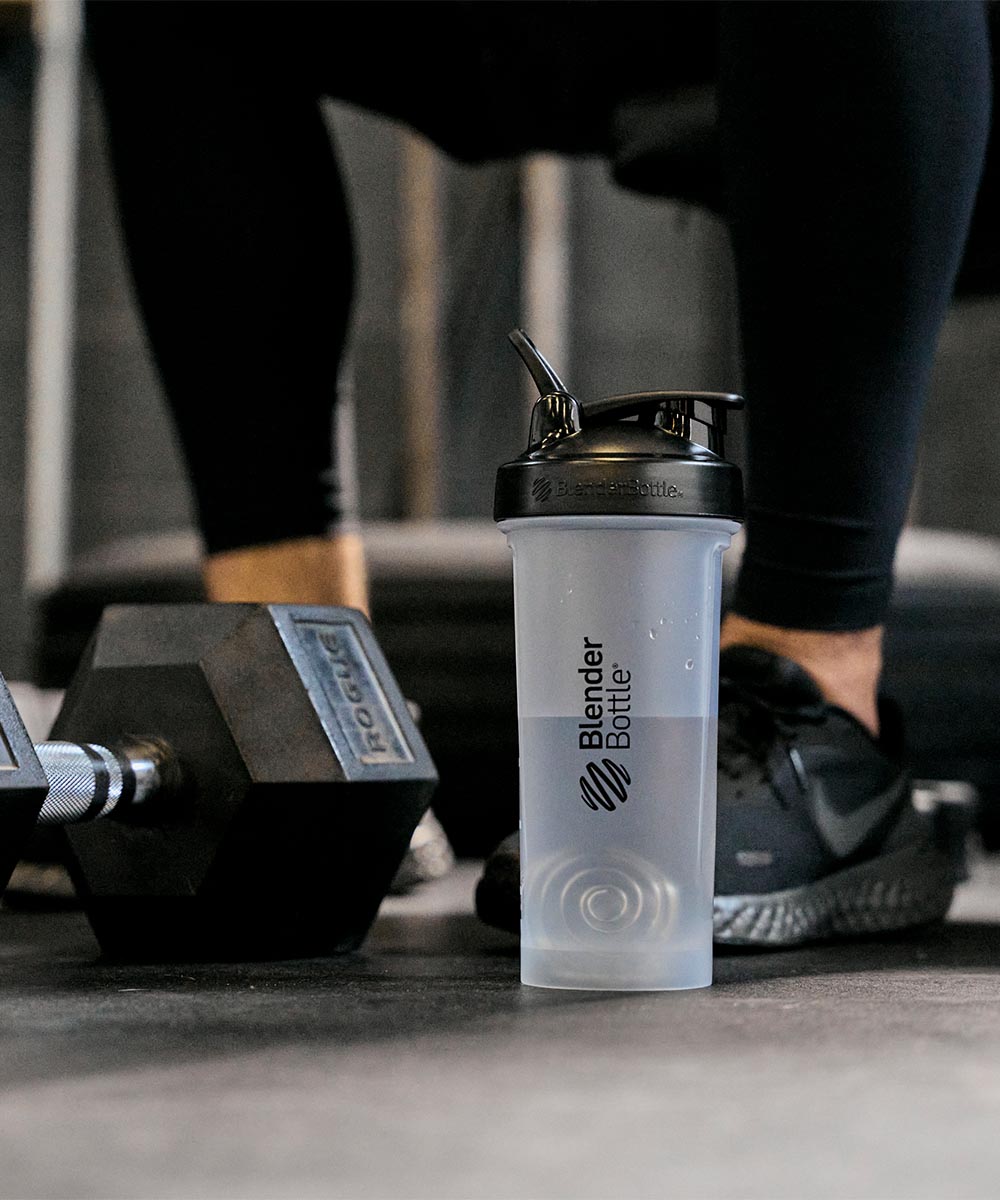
(421, 1068)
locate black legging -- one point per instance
(852, 135)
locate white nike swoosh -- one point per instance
(845, 832)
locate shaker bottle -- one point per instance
(617, 522)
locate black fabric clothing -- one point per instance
(852, 143)
(852, 138)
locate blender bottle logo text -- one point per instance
(606, 725)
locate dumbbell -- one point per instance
(237, 781)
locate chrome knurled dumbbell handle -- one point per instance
(87, 782)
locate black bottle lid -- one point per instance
(626, 455)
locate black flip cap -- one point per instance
(629, 455)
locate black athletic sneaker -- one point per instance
(498, 892)
(817, 833)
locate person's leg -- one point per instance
(238, 239)
(853, 136)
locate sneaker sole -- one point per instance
(910, 887)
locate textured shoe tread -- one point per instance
(911, 887)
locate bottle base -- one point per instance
(661, 970)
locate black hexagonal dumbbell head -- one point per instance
(303, 779)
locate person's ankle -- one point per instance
(319, 570)
(845, 666)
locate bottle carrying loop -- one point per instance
(629, 454)
(559, 414)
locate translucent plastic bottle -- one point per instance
(617, 522)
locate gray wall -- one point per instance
(958, 480)
(14, 143)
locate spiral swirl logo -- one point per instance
(595, 897)
(605, 785)
(541, 489)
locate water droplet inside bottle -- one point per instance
(652, 634)
(689, 665)
(697, 637)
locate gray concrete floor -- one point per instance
(422, 1068)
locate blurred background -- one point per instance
(622, 291)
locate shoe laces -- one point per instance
(752, 727)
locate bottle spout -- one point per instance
(546, 380)
(556, 413)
